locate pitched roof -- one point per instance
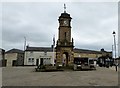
(41, 49)
(15, 51)
(49, 49)
(76, 50)
(2, 50)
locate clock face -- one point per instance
(65, 22)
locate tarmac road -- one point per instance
(25, 76)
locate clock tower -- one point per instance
(64, 47)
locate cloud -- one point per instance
(92, 23)
(0, 25)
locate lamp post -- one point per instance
(114, 43)
(112, 50)
(115, 49)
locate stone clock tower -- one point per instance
(64, 47)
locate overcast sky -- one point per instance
(92, 23)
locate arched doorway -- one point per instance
(65, 58)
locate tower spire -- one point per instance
(64, 8)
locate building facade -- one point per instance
(39, 55)
(14, 57)
(45, 55)
(2, 58)
(87, 53)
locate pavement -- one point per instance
(26, 76)
(0, 76)
(113, 68)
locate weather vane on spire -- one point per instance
(64, 8)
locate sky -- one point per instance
(92, 24)
(119, 29)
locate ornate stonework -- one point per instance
(64, 47)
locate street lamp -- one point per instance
(115, 50)
(114, 42)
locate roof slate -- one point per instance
(76, 50)
(15, 51)
(41, 49)
(49, 49)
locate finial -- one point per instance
(64, 8)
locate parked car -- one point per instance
(81, 63)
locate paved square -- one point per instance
(26, 76)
